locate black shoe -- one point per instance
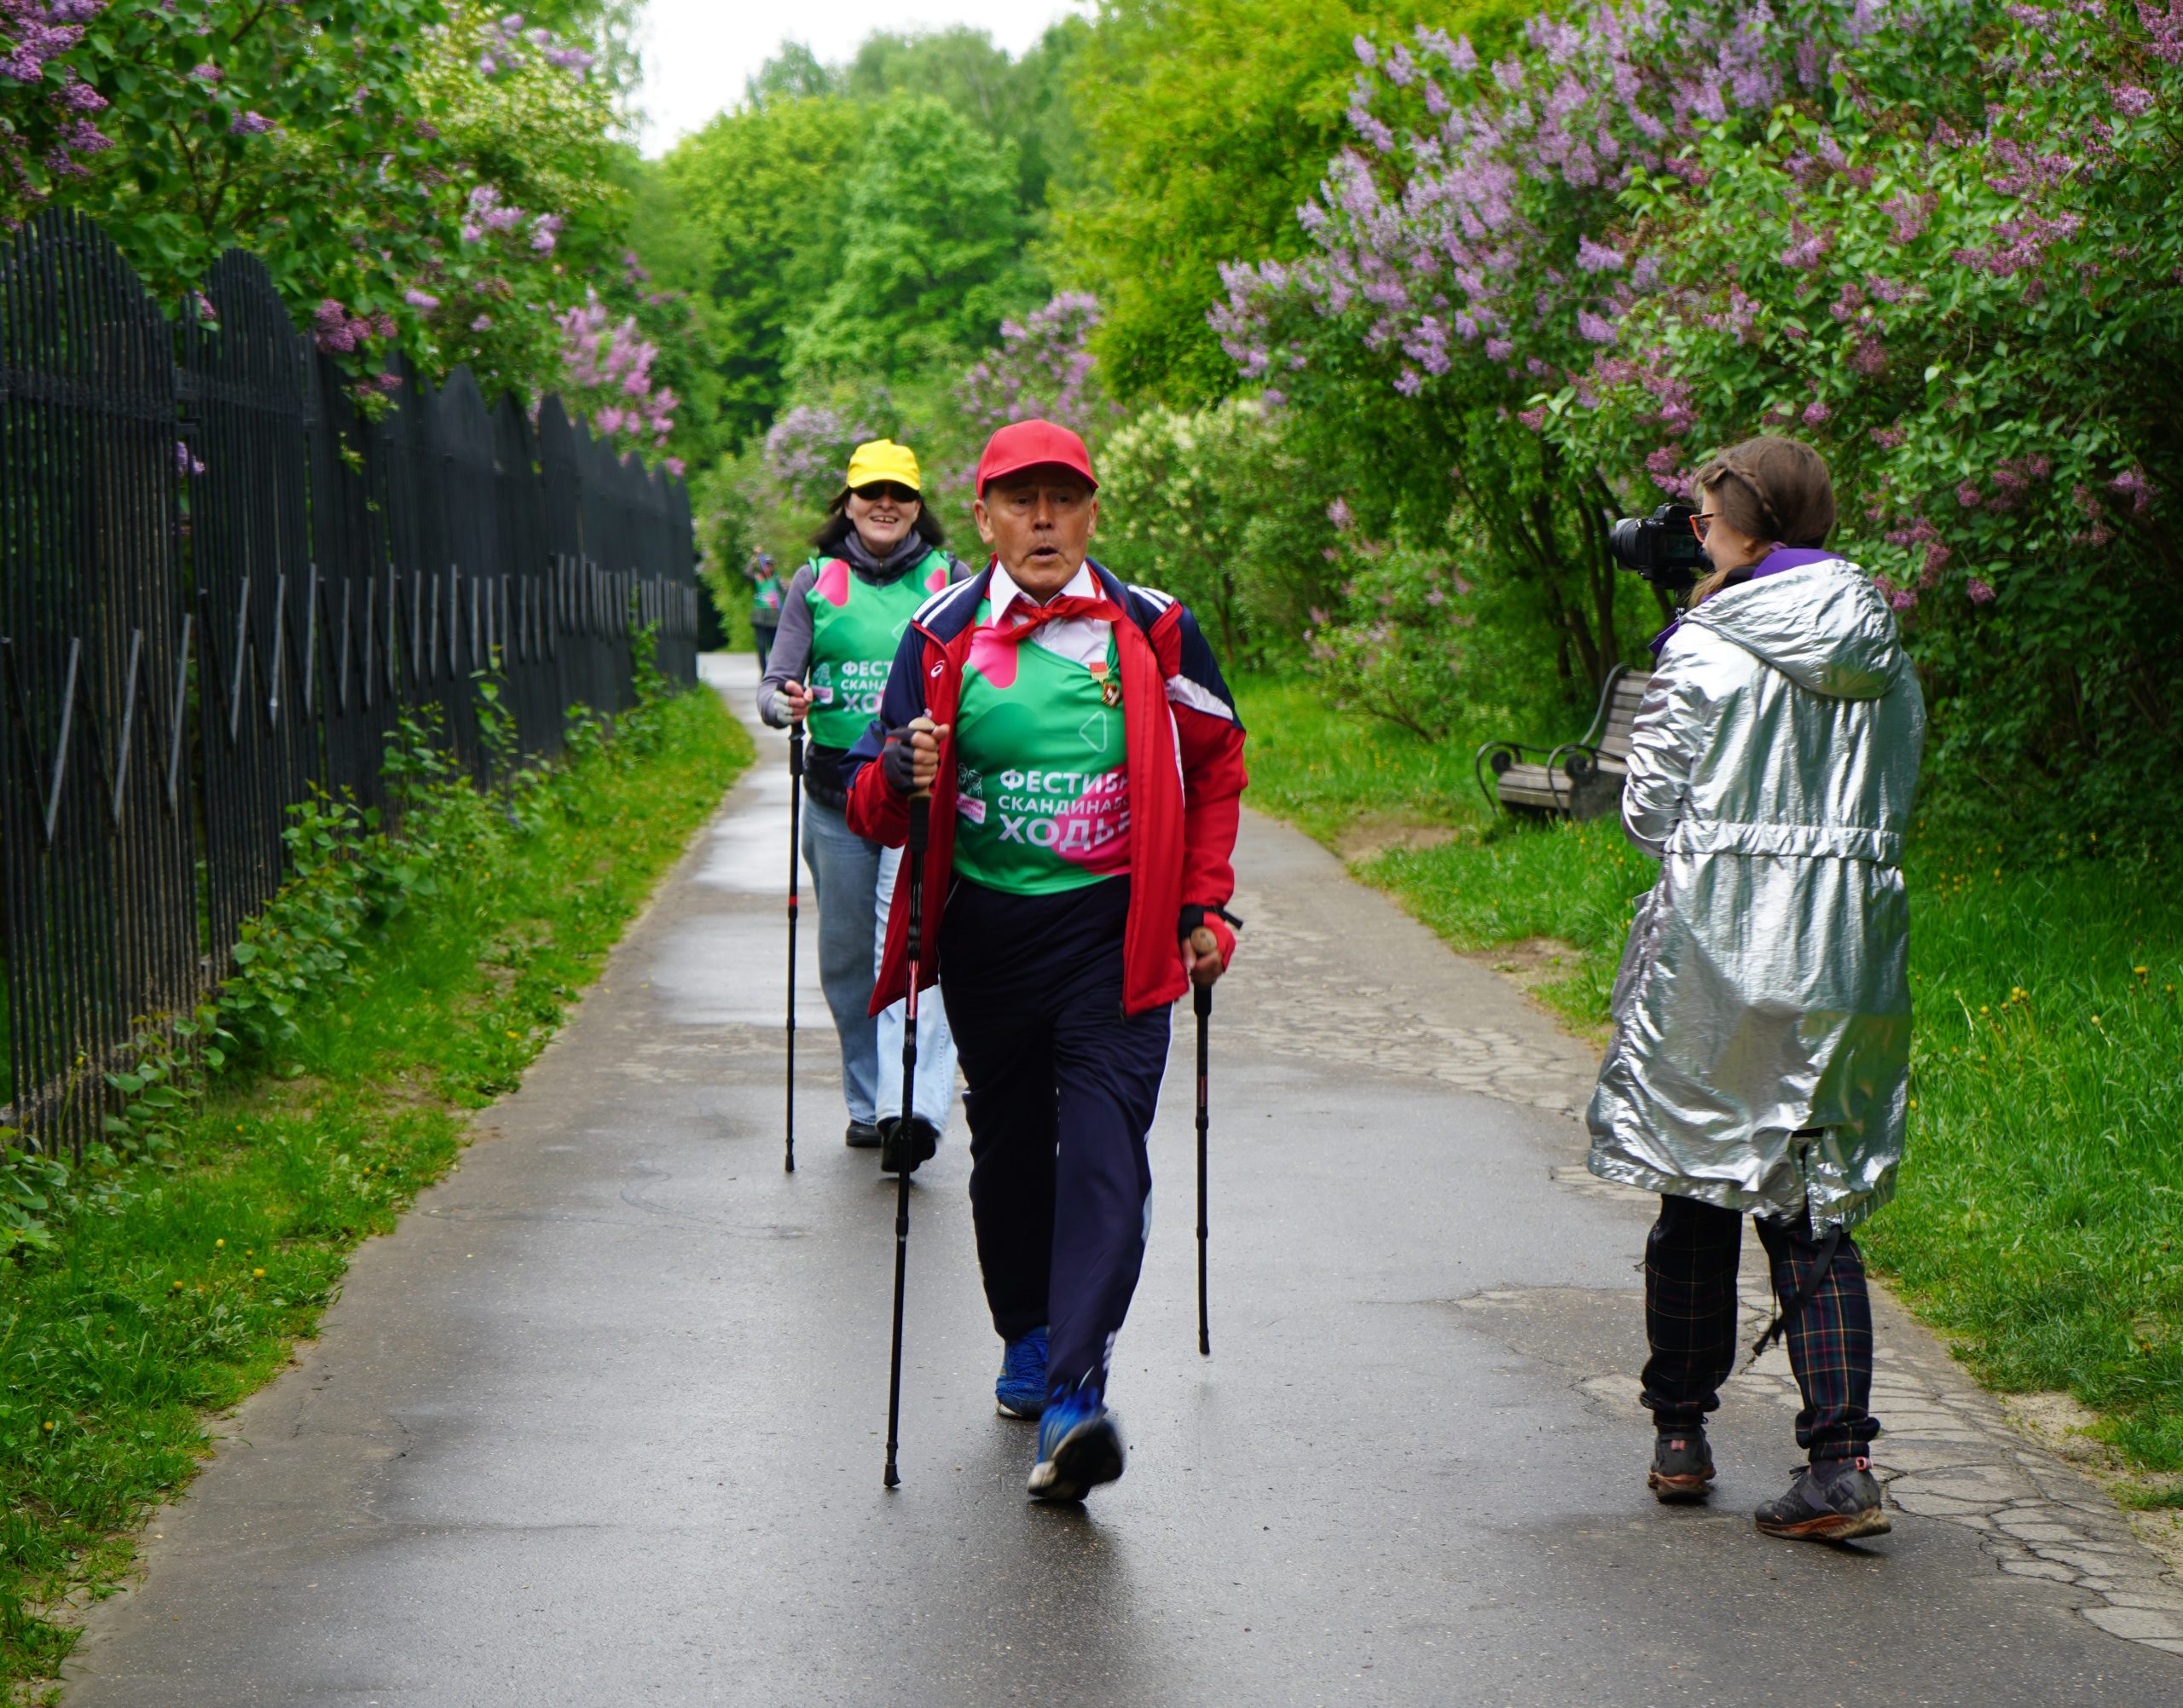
(1683, 1465)
(1833, 1500)
(904, 1144)
(862, 1135)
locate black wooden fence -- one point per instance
(221, 588)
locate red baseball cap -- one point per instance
(1032, 444)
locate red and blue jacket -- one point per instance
(1185, 745)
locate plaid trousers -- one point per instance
(1690, 1321)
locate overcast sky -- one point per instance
(698, 52)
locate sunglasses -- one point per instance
(887, 489)
(1702, 525)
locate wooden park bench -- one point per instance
(1578, 779)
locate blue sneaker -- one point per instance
(1021, 1390)
(1079, 1447)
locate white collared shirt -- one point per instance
(1079, 639)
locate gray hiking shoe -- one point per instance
(1833, 1500)
(1683, 1466)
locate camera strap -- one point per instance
(1796, 1301)
(1786, 1312)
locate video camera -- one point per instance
(1660, 548)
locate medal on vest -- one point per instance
(1110, 691)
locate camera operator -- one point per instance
(1762, 1012)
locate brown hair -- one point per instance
(1771, 489)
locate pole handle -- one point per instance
(922, 725)
(1202, 942)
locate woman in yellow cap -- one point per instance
(879, 556)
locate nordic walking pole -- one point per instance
(795, 860)
(1202, 942)
(913, 865)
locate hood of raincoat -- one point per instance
(1823, 625)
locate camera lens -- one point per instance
(1626, 539)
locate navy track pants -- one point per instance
(1061, 1089)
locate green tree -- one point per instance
(795, 73)
(932, 261)
(1021, 104)
(748, 214)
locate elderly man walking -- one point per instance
(1085, 762)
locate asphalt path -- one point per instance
(602, 1422)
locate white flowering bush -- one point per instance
(1217, 507)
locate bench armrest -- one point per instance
(1498, 756)
(1578, 759)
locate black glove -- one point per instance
(1194, 916)
(898, 763)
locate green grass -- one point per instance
(2040, 1219)
(180, 1286)
(1326, 773)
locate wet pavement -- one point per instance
(602, 1422)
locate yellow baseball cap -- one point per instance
(877, 459)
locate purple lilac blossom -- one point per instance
(1806, 247)
(1597, 258)
(1909, 214)
(2133, 485)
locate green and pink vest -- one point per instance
(1041, 770)
(855, 627)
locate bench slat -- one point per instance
(1529, 785)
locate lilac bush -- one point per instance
(1042, 367)
(416, 166)
(608, 376)
(806, 450)
(48, 123)
(1394, 645)
(1940, 240)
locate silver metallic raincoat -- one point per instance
(1765, 988)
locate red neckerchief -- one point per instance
(1058, 609)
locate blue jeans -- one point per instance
(851, 881)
